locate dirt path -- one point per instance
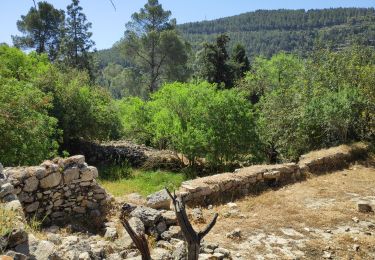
(315, 219)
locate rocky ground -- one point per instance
(325, 217)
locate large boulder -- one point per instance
(150, 217)
(159, 200)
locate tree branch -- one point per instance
(208, 227)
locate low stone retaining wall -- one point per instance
(116, 152)
(251, 180)
(58, 190)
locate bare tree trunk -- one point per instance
(193, 238)
(139, 240)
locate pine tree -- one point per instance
(41, 27)
(154, 46)
(77, 42)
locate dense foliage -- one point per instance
(42, 107)
(197, 120)
(314, 103)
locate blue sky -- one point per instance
(108, 24)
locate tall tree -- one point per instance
(41, 28)
(214, 64)
(77, 42)
(154, 46)
(240, 61)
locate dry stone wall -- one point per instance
(250, 180)
(117, 152)
(59, 190)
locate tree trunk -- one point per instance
(193, 250)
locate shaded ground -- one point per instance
(315, 219)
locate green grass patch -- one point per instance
(142, 182)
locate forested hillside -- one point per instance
(267, 32)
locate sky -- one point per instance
(108, 24)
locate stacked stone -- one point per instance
(228, 186)
(58, 190)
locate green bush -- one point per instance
(196, 120)
(27, 132)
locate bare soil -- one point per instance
(315, 219)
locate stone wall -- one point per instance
(58, 190)
(251, 180)
(117, 152)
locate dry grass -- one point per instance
(321, 203)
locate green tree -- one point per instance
(28, 134)
(83, 110)
(154, 46)
(240, 61)
(214, 64)
(42, 30)
(77, 42)
(198, 120)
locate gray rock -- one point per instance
(44, 250)
(54, 238)
(17, 237)
(205, 257)
(89, 174)
(51, 180)
(6, 189)
(111, 233)
(218, 256)
(180, 251)
(172, 232)
(160, 254)
(165, 244)
(161, 227)
(364, 207)
(32, 207)
(14, 205)
(76, 159)
(223, 251)
(169, 217)
(16, 256)
(235, 234)
(31, 184)
(159, 200)
(197, 215)
(84, 256)
(71, 174)
(148, 216)
(137, 225)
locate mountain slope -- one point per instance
(265, 32)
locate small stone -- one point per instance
(17, 237)
(356, 247)
(223, 251)
(6, 189)
(32, 207)
(220, 256)
(161, 227)
(327, 255)
(210, 207)
(180, 251)
(148, 216)
(232, 205)
(328, 231)
(84, 256)
(364, 207)
(197, 215)
(347, 229)
(355, 219)
(111, 233)
(235, 234)
(160, 254)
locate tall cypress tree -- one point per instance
(77, 42)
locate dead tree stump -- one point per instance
(139, 240)
(193, 238)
